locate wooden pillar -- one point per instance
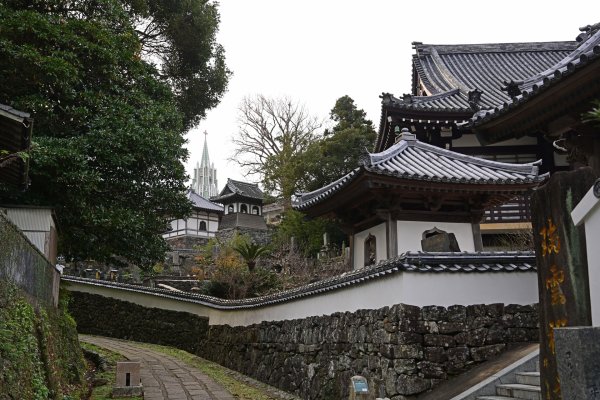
(392, 236)
(562, 266)
(477, 241)
(351, 245)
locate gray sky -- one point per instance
(317, 51)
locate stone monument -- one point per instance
(578, 361)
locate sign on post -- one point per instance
(562, 266)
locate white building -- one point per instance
(204, 181)
(203, 223)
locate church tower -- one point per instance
(204, 182)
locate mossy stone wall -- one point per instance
(98, 315)
(25, 266)
(40, 356)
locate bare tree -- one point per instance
(272, 135)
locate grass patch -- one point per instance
(221, 375)
(103, 392)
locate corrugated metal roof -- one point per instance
(30, 219)
(411, 262)
(414, 160)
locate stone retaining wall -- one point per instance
(98, 315)
(403, 350)
(22, 264)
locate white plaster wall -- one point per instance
(359, 244)
(410, 234)
(592, 233)
(420, 289)
(587, 212)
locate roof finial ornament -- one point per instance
(474, 99)
(587, 32)
(512, 88)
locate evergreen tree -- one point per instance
(108, 125)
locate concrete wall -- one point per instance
(24, 265)
(419, 289)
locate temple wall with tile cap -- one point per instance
(458, 278)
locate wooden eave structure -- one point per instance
(551, 102)
(553, 111)
(417, 181)
(424, 123)
(373, 198)
(15, 136)
(450, 83)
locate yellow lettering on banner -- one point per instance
(550, 239)
(553, 284)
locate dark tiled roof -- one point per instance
(201, 203)
(411, 262)
(414, 160)
(522, 90)
(237, 188)
(453, 74)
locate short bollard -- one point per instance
(128, 379)
(359, 388)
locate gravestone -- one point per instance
(578, 358)
(562, 266)
(438, 240)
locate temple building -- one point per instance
(204, 181)
(243, 203)
(499, 102)
(200, 226)
(551, 106)
(415, 196)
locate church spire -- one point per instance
(205, 174)
(205, 161)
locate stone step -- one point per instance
(494, 398)
(519, 391)
(528, 378)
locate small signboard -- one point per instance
(360, 387)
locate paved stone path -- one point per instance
(163, 376)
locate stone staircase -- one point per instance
(526, 387)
